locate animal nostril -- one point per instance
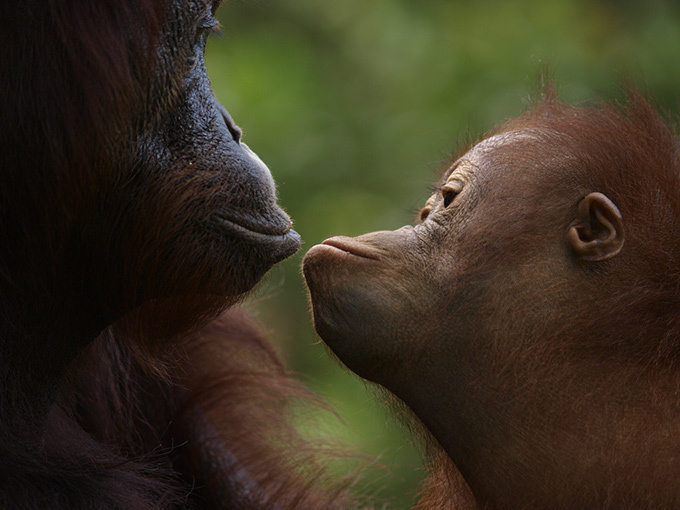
(234, 130)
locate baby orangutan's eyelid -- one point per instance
(455, 184)
(462, 171)
(452, 168)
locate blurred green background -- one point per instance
(356, 105)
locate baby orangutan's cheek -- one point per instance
(364, 315)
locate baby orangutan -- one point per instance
(531, 320)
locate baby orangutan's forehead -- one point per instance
(474, 158)
(501, 140)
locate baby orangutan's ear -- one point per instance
(596, 234)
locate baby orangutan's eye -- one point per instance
(448, 195)
(450, 191)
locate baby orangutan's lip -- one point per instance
(353, 247)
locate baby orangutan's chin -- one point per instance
(339, 304)
(358, 310)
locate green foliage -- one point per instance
(355, 106)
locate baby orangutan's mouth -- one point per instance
(353, 247)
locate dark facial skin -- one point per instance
(128, 192)
(484, 319)
(188, 141)
(157, 198)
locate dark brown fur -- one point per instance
(124, 383)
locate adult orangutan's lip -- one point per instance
(276, 223)
(278, 237)
(351, 246)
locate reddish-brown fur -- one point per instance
(131, 218)
(531, 320)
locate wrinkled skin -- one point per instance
(163, 173)
(131, 217)
(127, 185)
(234, 226)
(490, 320)
(395, 282)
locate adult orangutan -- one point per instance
(531, 319)
(131, 216)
